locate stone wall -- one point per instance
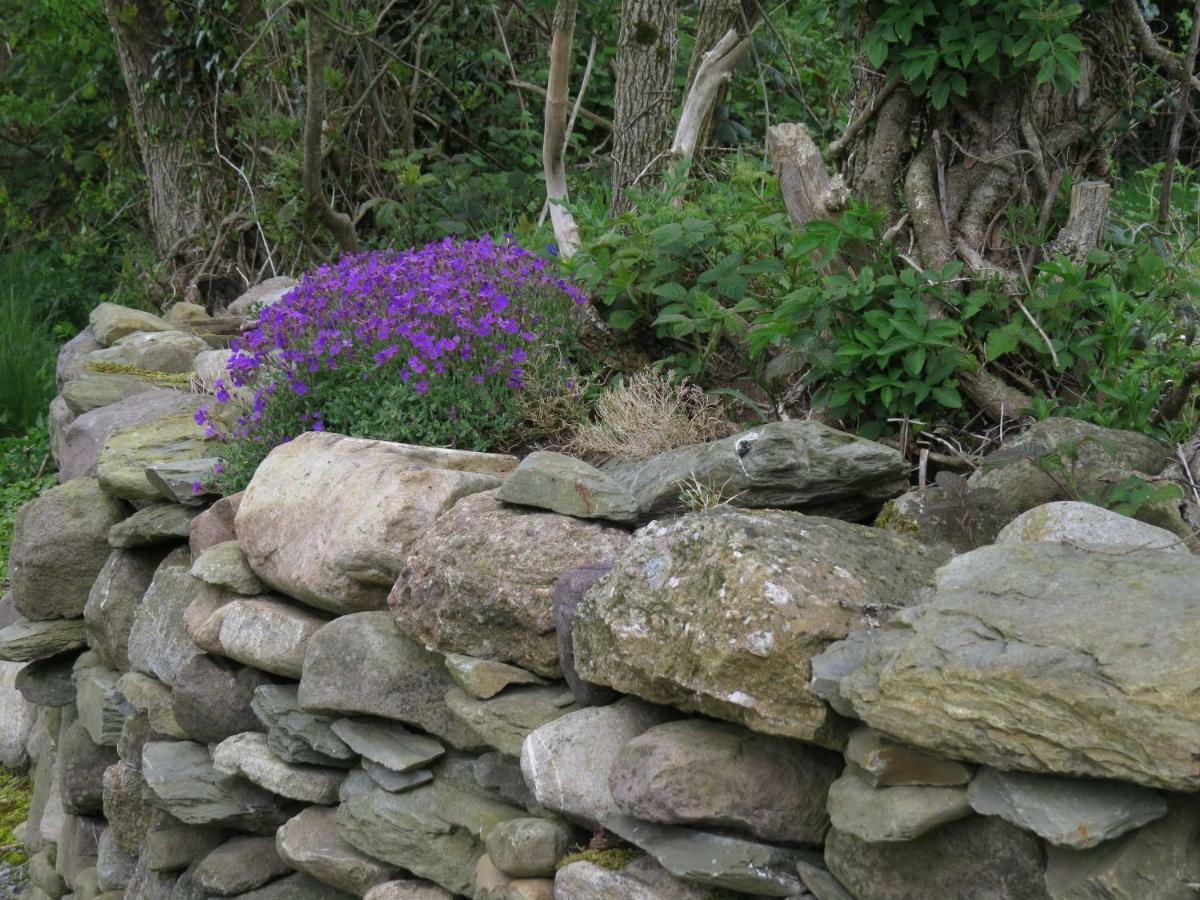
(397, 672)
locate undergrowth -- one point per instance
(24, 473)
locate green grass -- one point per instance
(15, 791)
(24, 473)
(27, 350)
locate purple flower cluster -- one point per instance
(415, 317)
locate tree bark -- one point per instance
(171, 141)
(554, 135)
(716, 18)
(340, 225)
(645, 71)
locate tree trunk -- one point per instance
(644, 95)
(554, 135)
(170, 139)
(715, 19)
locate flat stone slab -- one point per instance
(1087, 525)
(485, 678)
(25, 640)
(102, 707)
(395, 782)
(296, 735)
(249, 756)
(388, 744)
(309, 843)
(885, 763)
(1068, 812)
(717, 860)
(879, 815)
(564, 484)
(505, 721)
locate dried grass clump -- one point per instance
(647, 414)
(548, 410)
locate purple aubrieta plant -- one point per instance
(456, 310)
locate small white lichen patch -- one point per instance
(779, 596)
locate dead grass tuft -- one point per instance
(647, 414)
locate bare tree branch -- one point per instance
(554, 135)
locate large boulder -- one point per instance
(329, 519)
(563, 484)
(361, 664)
(310, 843)
(720, 612)
(59, 544)
(978, 858)
(480, 580)
(94, 390)
(71, 356)
(110, 322)
(795, 464)
(1086, 525)
(699, 772)
(154, 351)
(239, 865)
(158, 641)
(114, 599)
(435, 831)
(129, 451)
(1069, 661)
(265, 293)
(185, 783)
(211, 698)
(271, 635)
(566, 762)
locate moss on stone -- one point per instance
(614, 858)
(891, 519)
(177, 379)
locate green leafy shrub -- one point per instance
(24, 473)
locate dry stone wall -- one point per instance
(403, 673)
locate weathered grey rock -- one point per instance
(795, 464)
(81, 770)
(171, 845)
(187, 785)
(485, 678)
(1060, 690)
(85, 436)
(388, 744)
(968, 513)
(393, 781)
(94, 390)
(26, 641)
(720, 612)
(249, 756)
(505, 721)
(480, 580)
(205, 615)
(978, 858)
(271, 635)
(113, 601)
(879, 815)
(493, 884)
(642, 879)
(103, 709)
(821, 884)
(566, 762)
(408, 889)
(361, 664)
(58, 419)
(569, 592)
(154, 351)
(357, 782)
(211, 698)
(16, 717)
(224, 566)
(1067, 812)
(296, 887)
(189, 482)
(127, 806)
(885, 763)
(47, 682)
(147, 884)
(163, 523)
(134, 736)
(295, 735)
(114, 866)
(128, 452)
(717, 860)
(329, 519)
(501, 775)
(1086, 525)
(563, 484)
(78, 841)
(158, 641)
(215, 524)
(150, 696)
(433, 831)
(59, 544)
(110, 322)
(240, 864)
(699, 772)
(310, 844)
(72, 353)
(1158, 862)
(528, 848)
(184, 313)
(43, 875)
(265, 293)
